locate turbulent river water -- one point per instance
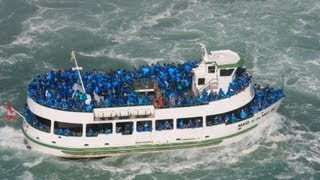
(275, 37)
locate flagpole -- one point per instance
(73, 56)
(19, 114)
(10, 108)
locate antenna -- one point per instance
(205, 56)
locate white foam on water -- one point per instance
(14, 58)
(33, 163)
(297, 74)
(143, 170)
(26, 175)
(114, 55)
(299, 145)
(3, 110)
(284, 176)
(11, 138)
(266, 135)
(98, 165)
(132, 30)
(180, 161)
(7, 95)
(38, 24)
(148, 21)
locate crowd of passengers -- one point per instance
(91, 132)
(61, 89)
(264, 97)
(33, 121)
(190, 123)
(67, 132)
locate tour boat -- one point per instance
(155, 107)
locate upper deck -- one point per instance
(171, 87)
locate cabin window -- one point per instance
(93, 130)
(67, 129)
(214, 120)
(193, 122)
(40, 123)
(164, 124)
(211, 69)
(125, 128)
(226, 72)
(144, 126)
(201, 81)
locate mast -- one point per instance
(205, 57)
(73, 57)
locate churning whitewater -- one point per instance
(274, 37)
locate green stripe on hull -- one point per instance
(146, 148)
(136, 149)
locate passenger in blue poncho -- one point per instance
(146, 126)
(127, 128)
(221, 94)
(140, 128)
(190, 124)
(167, 125)
(243, 114)
(180, 124)
(198, 123)
(226, 119)
(216, 120)
(233, 118)
(67, 132)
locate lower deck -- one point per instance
(111, 144)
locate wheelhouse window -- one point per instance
(211, 69)
(125, 128)
(226, 72)
(93, 130)
(201, 81)
(164, 124)
(67, 129)
(193, 122)
(144, 126)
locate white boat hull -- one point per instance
(205, 137)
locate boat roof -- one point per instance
(225, 59)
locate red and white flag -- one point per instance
(11, 113)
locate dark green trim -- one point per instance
(238, 133)
(136, 149)
(240, 63)
(145, 148)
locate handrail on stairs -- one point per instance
(207, 84)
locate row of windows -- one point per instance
(71, 129)
(126, 128)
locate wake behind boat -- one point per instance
(155, 107)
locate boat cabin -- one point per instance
(216, 71)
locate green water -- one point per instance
(275, 37)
